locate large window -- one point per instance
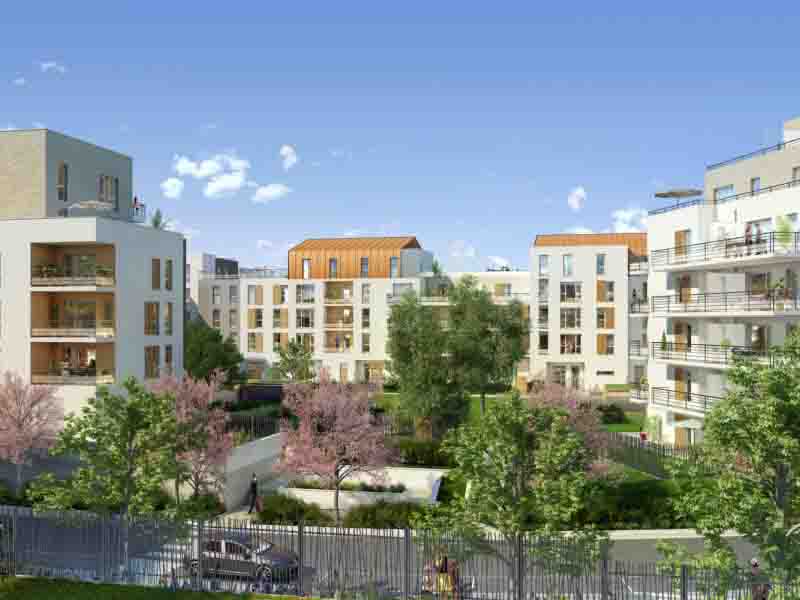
(168, 359)
(570, 318)
(216, 318)
(755, 184)
(280, 318)
(255, 342)
(601, 264)
(168, 274)
(108, 190)
(233, 319)
(255, 318)
(364, 266)
(394, 267)
(333, 268)
(304, 294)
(168, 318)
(365, 318)
(365, 342)
(216, 295)
(278, 341)
(605, 344)
(151, 362)
(255, 295)
(544, 265)
(605, 291)
(305, 318)
(605, 318)
(544, 290)
(306, 268)
(570, 292)
(151, 318)
(365, 293)
(233, 294)
(280, 294)
(62, 185)
(571, 344)
(568, 270)
(155, 274)
(544, 341)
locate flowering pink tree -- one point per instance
(30, 417)
(335, 437)
(203, 444)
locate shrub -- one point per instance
(277, 509)
(202, 506)
(451, 488)
(382, 515)
(611, 414)
(421, 453)
(391, 385)
(347, 486)
(492, 388)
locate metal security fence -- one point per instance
(253, 427)
(651, 457)
(238, 556)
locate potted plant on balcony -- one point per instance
(783, 235)
(779, 294)
(663, 341)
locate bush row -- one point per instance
(347, 486)
(421, 453)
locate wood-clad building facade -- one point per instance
(349, 258)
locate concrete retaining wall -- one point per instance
(257, 457)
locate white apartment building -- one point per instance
(335, 297)
(723, 281)
(88, 295)
(589, 309)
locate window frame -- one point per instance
(155, 273)
(364, 266)
(600, 263)
(578, 342)
(333, 268)
(570, 314)
(394, 267)
(567, 265)
(151, 318)
(62, 182)
(546, 269)
(168, 274)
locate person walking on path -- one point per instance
(759, 584)
(253, 493)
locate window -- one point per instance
(306, 340)
(151, 318)
(566, 260)
(233, 294)
(544, 290)
(365, 318)
(155, 273)
(333, 268)
(277, 338)
(280, 294)
(365, 342)
(601, 264)
(605, 373)
(570, 292)
(544, 315)
(605, 318)
(304, 294)
(605, 344)
(216, 318)
(255, 318)
(605, 291)
(571, 344)
(559, 375)
(502, 290)
(255, 295)
(570, 318)
(305, 318)
(278, 320)
(168, 318)
(233, 319)
(364, 266)
(306, 268)
(151, 362)
(108, 190)
(755, 184)
(544, 264)
(365, 293)
(394, 267)
(168, 359)
(62, 182)
(796, 174)
(721, 193)
(216, 295)
(544, 341)
(251, 342)
(168, 274)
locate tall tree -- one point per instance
(335, 436)
(125, 445)
(30, 418)
(205, 352)
(417, 346)
(295, 361)
(751, 445)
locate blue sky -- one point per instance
(473, 126)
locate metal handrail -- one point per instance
(759, 152)
(84, 327)
(639, 307)
(765, 190)
(712, 354)
(636, 348)
(776, 300)
(676, 206)
(687, 400)
(638, 266)
(735, 247)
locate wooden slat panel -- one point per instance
(251, 318)
(259, 295)
(636, 242)
(259, 342)
(602, 346)
(348, 262)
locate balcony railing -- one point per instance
(337, 299)
(710, 354)
(777, 301)
(75, 328)
(139, 212)
(760, 152)
(337, 349)
(53, 275)
(767, 244)
(639, 392)
(684, 399)
(637, 349)
(543, 323)
(638, 267)
(340, 324)
(278, 324)
(72, 376)
(639, 307)
(676, 206)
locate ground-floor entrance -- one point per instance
(570, 375)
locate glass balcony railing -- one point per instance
(74, 328)
(56, 275)
(742, 247)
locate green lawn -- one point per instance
(388, 400)
(617, 387)
(48, 589)
(632, 424)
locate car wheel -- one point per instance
(265, 573)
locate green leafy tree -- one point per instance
(125, 445)
(527, 472)
(752, 446)
(158, 220)
(295, 362)
(417, 344)
(205, 352)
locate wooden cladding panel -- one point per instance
(348, 262)
(636, 242)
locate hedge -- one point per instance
(611, 414)
(346, 486)
(382, 515)
(277, 509)
(421, 453)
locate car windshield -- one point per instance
(264, 548)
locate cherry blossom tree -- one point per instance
(30, 418)
(203, 445)
(335, 437)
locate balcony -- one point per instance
(543, 323)
(638, 266)
(637, 349)
(706, 354)
(639, 308)
(55, 276)
(773, 302)
(72, 377)
(75, 328)
(769, 247)
(341, 325)
(685, 400)
(139, 212)
(338, 349)
(639, 392)
(338, 293)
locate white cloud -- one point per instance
(178, 227)
(273, 191)
(225, 184)
(462, 249)
(39, 125)
(499, 262)
(264, 245)
(579, 229)
(629, 220)
(20, 81)
(576, 199)
(289, 156)
(271, 248)
(172, 188)
(210, 167)
(51, 65)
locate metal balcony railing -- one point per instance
(338, 349)
(543, 323)
(75, 328)
(338, 324)
(710, 354)
(766, 244)
(676, 206)
(686, 400)
(639, 392)
(778, 301)
(639, 307)
(759, 152)
(54, 275)
(637, 349)
(139, 212)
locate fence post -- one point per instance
(198, 585)
(519, 591)
(13, 567)
(300, 556)
(407, 563)
(684, 582)
(605, 592)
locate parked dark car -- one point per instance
(237, 559)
